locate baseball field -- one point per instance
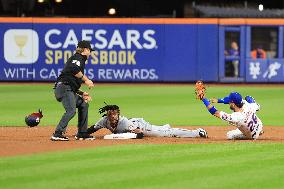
(28, 159)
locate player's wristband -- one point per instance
(212, 110)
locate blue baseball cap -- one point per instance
(235, 98)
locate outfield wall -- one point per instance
(127, 50)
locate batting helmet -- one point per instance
(33, 119)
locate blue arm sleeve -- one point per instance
(250, 99)
(212, 110)
(205, 102)
(224, 100)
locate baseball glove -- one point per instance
(199, 90)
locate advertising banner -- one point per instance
(264, 70)
(275, 70)
(123, 52)
(255, 69)
(38, 51)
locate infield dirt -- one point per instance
(24, 140)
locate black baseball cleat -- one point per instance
(202, 133)
(84, 137)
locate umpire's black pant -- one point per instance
(70, 102)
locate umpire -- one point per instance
(67, 92)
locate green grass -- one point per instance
(237, 165)
(204, 166)
(174, 104)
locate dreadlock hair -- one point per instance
(107, 108)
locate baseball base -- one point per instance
(121, 136)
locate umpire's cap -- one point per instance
(85, 44)
(235, 98)
(33, 119)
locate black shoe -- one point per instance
(59, 138)
(202, 133)
(84, 137)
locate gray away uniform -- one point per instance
(126, 125)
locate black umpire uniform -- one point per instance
(67, 92)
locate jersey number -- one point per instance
(76, 62)
(252, 123)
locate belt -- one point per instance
(60, 83)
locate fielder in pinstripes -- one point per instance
(113, 121)
(244, 117)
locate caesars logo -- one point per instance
(111, 47)
(21, 46)
(103, 39)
